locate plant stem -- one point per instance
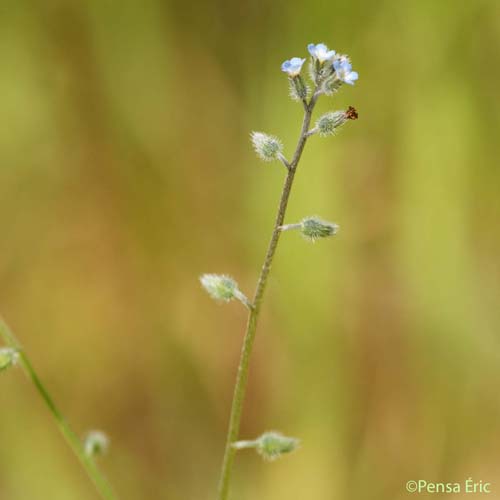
(288, 227)
(253, 315)
(100, 482)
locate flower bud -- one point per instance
(96, 443)
(8, 357)
(314, 228)
(331, 84)
(298, 89)
(271, 445)
(267, 147)
(330, 122)
(222, 288)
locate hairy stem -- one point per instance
(253, 315)
(100, 482)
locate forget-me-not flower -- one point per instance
(343, 68)
(321, 52)
(293, 66)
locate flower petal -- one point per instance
(285, 66)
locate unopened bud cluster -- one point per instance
(8, 357)
(271, 445)
(328, 70)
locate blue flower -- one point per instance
(321, 52)
(343, 68)
(293, 66)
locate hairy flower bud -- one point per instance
(219, 287)
(314, 228)
(271, 445)
(330, 122)
(222, 288)
(298, 89)
(8, 357)
(331, 84)
(96, 443)
(267, 147)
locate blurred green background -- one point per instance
(126, 172)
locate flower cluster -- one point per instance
(328, 71)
